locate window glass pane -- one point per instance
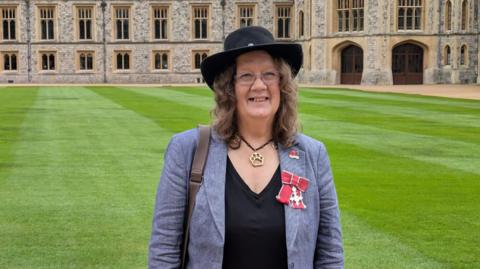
(51, 60)
(43, 26)
(81, 26)
(6, 62)
(5, 29)
(50, 29)
(119, 29)
(14, 62)
(165, 61)
(44, 62)
(409, 18)
(82, 61)
(126, 61)
(125, 29)
(88, 30)
(119, 61)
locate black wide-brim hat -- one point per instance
(248, 39)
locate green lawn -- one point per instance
(79, 168)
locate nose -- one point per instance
(258, 84)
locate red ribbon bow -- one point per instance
(292, 188)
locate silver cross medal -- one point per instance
(296, 199)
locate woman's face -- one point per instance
(257, 86)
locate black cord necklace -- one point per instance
(256, 159)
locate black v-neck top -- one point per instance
(254, 224)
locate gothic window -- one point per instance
(9, 61)
(409, 15)
(160, 60)
(160, 22)
(85, 23)
(301, 24)
(122, 23)
(122, 60)
(85, 60)
(350, 15)
(200, 22)
(447, 55)
(246, 15)
(463, 55)
(284, 21)
(464, 14)
(48, 61)
(448, 16)
(47, 23)
(8, 19)
(198, 57)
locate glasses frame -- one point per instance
(260, 76)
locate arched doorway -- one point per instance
(407, 64)
(351, 65)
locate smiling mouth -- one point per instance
(258, 99)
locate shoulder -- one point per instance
(185, 138)
(309, 144)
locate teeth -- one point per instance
(257, 99)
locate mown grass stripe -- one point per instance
(414, 113)
(399, 98)
(168, 114)
(453, 154)
(392, 122)
(15, 103)
(89, 169)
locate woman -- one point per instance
(268, 198)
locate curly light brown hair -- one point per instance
(285, 124)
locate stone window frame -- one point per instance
(253, 17)
(47, 52)
(301, 24)
(2, 61)
(38, 28)
(354, 20)
(16, 10)
(78, 61)
(169, 60)
(208, 18)
(291, 22)
(447, 55)
(76, 8)
(448, 22)
(168, 20)
(417, 4)
(129, 8)
(464, 16)
(465, 61)
(200, 52)
(130, 62)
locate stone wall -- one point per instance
(322, 61)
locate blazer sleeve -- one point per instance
(167, 227)
(329, 249)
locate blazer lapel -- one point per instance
(214, 182)
(296, 166)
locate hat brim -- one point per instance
(217, 63)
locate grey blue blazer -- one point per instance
(313, 234)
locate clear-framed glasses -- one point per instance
(247, 78)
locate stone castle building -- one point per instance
(164, 41)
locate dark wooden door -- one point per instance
(352, 65)
(407, 64)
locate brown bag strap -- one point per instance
(196, 177)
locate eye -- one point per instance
(245, 76)
(270, 75)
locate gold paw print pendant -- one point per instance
(256, 159)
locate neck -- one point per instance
(255, 132)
